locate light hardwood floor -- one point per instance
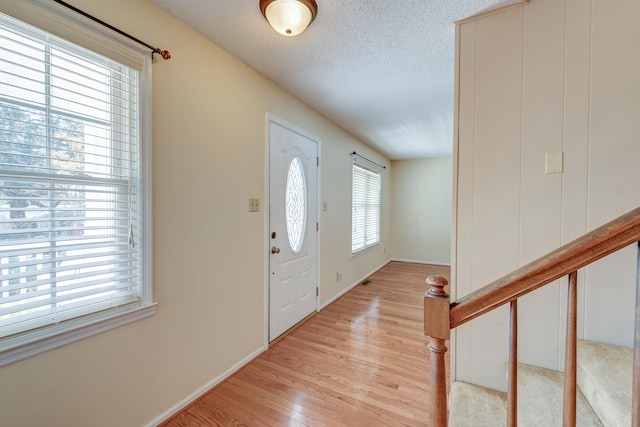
(362, 361)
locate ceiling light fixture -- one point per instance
(289, 17)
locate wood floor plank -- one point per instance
(362, 361)
(345, 390)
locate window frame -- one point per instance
(63, 23)
(374, 170)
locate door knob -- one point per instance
(275, 250)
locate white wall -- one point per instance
(421, 217)
(550, 76)
(209, 251)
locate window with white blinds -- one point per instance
(71, 193)
(365, 217)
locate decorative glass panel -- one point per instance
(296, 204)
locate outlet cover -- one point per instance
(254, 205)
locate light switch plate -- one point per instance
(554, 162)
(254, 205)
(324, 206)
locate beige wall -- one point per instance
(209, 251)
(421, 217)
(551, 76)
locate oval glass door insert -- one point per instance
(296, 204)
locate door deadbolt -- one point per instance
(273, 235)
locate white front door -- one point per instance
(293, 214)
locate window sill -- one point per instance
(21, 348)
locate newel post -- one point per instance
(436, 327)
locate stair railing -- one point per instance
(441, 315)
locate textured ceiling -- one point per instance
(381, 69)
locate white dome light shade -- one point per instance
(289, 17)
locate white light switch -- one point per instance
(554, 162)
(324, 206)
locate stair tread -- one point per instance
(540, 402)
(541, 395)
(605, 377)
(604, 393)
(473, 405)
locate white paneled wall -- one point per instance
(549, 76)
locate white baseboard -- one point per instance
(226, 374)
(202, 390)
(353, 285)
(444, 264)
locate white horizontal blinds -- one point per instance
(69, 25)
(365, 208)
(69, 197)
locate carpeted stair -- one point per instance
(540, 399)
(472, 405)
(604, 393)
(604, 375)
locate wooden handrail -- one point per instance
(579, 253)
(440, 316)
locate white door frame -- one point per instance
(270, 118)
